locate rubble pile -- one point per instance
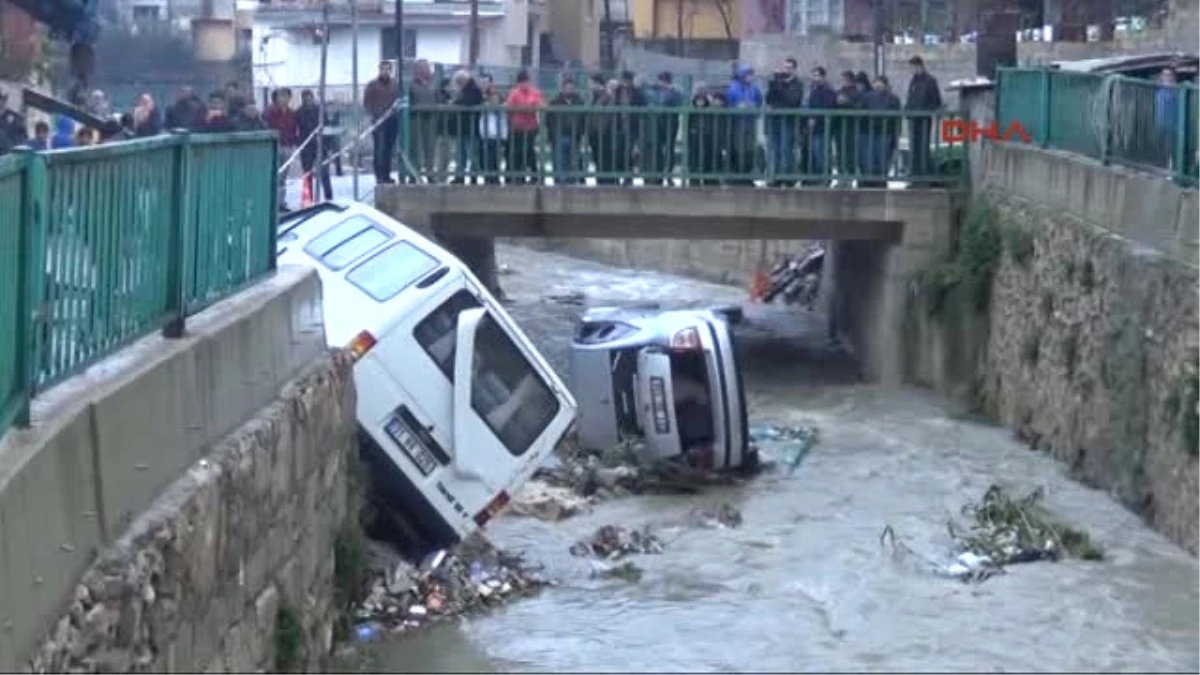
(1002, 531)
(447, 584)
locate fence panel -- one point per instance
(1077, 113)
(1143, 120)
(1190, 127)
(13, 386)
(105, 252)
(232, 192)
(1021, 97)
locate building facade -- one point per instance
(698, 19)
(286, 46)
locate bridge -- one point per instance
(176, 442)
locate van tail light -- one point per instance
(496, 506)
(687, 339)
(361, 344)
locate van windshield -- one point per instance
(507, 392)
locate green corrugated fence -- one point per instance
(1122, 120)
(100, 246)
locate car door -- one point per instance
(656, 403)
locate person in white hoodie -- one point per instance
(493, 136)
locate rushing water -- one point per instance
(804, 584)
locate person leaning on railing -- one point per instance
(659, 162)
(924, 96)
(1165, 113)
(844, 130)
(525, 101)
(785, 92)
(600, 125)
(565, 130)
(422, 131)
(464, 126)
(493, 137)
(744, 95)
(877, 145)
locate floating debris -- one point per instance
(572, 298)
(626, 571)
(724, 516)
(540, 499)
(1010, 531)
(793, 442)
(1003, 531)
(446, 584)
(613, 542)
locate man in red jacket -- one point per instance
(282, 119)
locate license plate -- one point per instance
(417, 453)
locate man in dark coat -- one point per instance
(784, 92)
(924, 97)
(877, 144)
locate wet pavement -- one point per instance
(804, 583)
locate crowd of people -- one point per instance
(491, 135)
(225, 110)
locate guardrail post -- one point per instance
(1179, 137)
(30, 270)
(1044, 113)
(684, 160)
(272, 237)
(175, 319)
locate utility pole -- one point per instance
(354, 89)
(877, 36)
(399, 27)
(606, 29)
(473, 37)
(319, 165)
(679, 27)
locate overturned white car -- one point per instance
(669, 376)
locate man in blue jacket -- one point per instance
(743, 95)
(1165, 107)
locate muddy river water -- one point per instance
(804, 584)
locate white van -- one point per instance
(444, 458)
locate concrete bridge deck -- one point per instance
(659, 212)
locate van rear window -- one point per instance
(346, 242)
(392, 270)
(509, 395)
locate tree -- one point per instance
(725, 10)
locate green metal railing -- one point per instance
(679, 146)
(1114, 119)
(100, 246)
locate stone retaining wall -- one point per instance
(198, 581)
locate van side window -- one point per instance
(511, 397)
(507, 393)
(437, 332)
(392, 270)
(346, 242)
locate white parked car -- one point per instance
(456, 408)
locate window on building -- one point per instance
(147, 13)
(387, 44)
